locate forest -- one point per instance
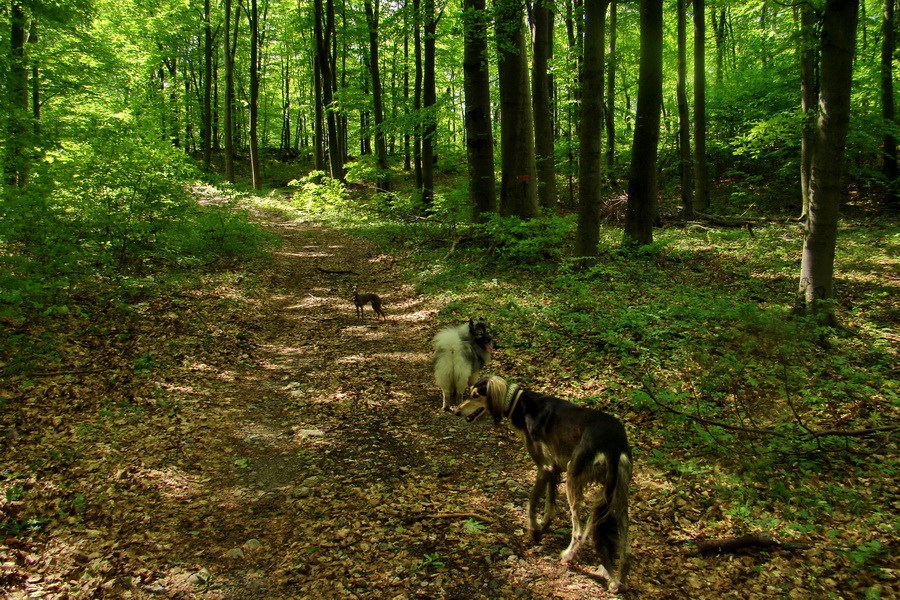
(683, 213)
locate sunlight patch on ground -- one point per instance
(408, 357)
(170, 482)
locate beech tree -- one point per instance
(590, 162)
(479, 136)
(384, 182)
(821, 221)
(889, 162)
(701, 174)
(642, 184)
(542, 16)
(518, 181)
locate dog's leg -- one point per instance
(552, 486)
(574, 494)
(544, 487)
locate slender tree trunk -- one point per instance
(429, 96)
(518, 185)
(417, 96)
(384, 182)
(407, 154)
(324, 25)
(610, 111)
(207, 85)
(684, 125)
(319, 127)
(701, 177)
(228, 108)
(479, 137)
(817, 267)
(889, 166)
(35, 84)
(591, 160)
(542, 25)
(18, 124)
(642, 185)
(809, 93)
(253, 101)
(719, 32)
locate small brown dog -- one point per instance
(360, 300)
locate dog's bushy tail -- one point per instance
(610, 513)
(451, 364)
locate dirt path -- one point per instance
(326, 470)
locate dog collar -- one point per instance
(512, 398)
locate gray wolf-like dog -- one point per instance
(588, 445)
(459, 355)
(360, 300)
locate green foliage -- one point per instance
(527, 241)
(319, 194)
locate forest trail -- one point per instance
(275, 447)
(327, 470)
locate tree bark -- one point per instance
(809, 93)
(253, 101)
(701, 172)
(384, 182)
(518, 181)
(429, 98)
(207, 85)
(817, 268)
(324, 25)
(542, 40)
(642, 185)
(18, 161)
(889, 158)
(590, 163)
(610, 111)
(686, 166)
(228, 108)
(417, 95)
(479, 135)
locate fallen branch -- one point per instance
(752, 541)
(811, 433)
(460, 515)
(330, 272)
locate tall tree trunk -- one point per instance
(610, 111)
(18, 125)
(642, 185)
(407, 154)
(479, 137)
(429, 97)
(518, 185)
(319, 127)
(889, 166)
(701, 172)
(817, 267)
(542, 25)
(384, 182)
(207, 85)
(228, 108)
(591, 160)
(324, 26)
(684, 125)
(417, 96)
(253, 101)
(809, 93)
(35, 83)
(719, 33)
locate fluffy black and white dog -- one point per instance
(588, 445)
(459, 355)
